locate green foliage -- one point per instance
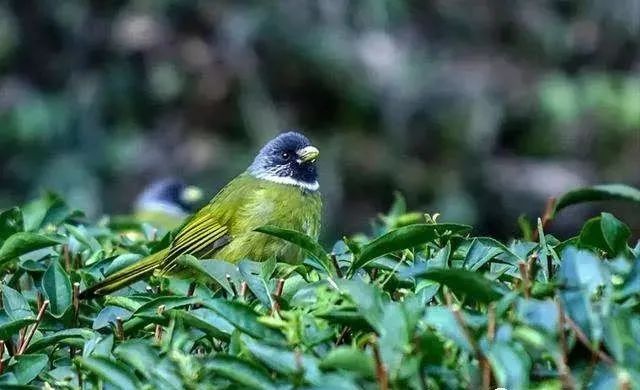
(418, 304)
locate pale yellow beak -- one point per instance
(308, 154)
(192, 194)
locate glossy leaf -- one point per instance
(240, 372)
(15, 304)
(115, 373)
(22, 243)
(303, 241)
(28, 367)
(598, 193)
(57, 338)
(243, 318)
(471, 285)
(349, 359)
(10, 223)
(57, 288)
(404, 238)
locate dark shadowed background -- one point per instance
(479, 110)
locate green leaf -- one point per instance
(586, 290)
(542, 315)
(472, 285)
(108, 317)
(10, 223)
(607, 234)
(145, 359)
(597, 193)
(169, 302)
(57, 288)
(28, 367)
(15, 305)
(258, 285)
(216, 270)
(303, 241)
(404, 238)
(367, 298)
(349, 359)
(208, 321)
(615, 233)
(240, 372)
(510, 364)
(115, 373)
(243, 318)
(22, 243)
(284, 361)
(479, 254)
(57, 337)
(10, 328)
(442, 319)
(49, 209)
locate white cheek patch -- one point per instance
(315, 186)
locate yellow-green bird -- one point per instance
(279, 188)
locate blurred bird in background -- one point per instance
(166, 203)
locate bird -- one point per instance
(280, 188)
(166, 203)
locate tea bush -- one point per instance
(414, 304)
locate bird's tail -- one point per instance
(126, 276)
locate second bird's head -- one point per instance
(288, 159)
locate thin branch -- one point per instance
(32, 330)
(275, 306)
(334, 260)
(158, 332)
(547, 217)
(233, 286)
(585, 341)
(243, 289)
(119, 329)
(1, 356)
(484, 363)
(381, 371)
(526, 284)
(563, 368)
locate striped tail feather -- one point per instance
(126, 276)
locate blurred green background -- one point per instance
(479, 110)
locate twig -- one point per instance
(381, 371)
(39, 300)
(192, 289)
(484, 363)
(76, 302)
(524, 272)
(243, 289)
(67, 258)
(374, 274)
(32, 330)
(334, 260)
(275, 306)
(119, 329)
(1, 356)
(585, 341)
(158, 332)
(233, 286)
(343, 335)
(546, 217)
(491, 334)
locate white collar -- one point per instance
(315, 186)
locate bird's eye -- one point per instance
(286, 155)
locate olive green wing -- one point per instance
(209, 229)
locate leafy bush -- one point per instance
(417, 304)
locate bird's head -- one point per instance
(288, 159)
(170, 195)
